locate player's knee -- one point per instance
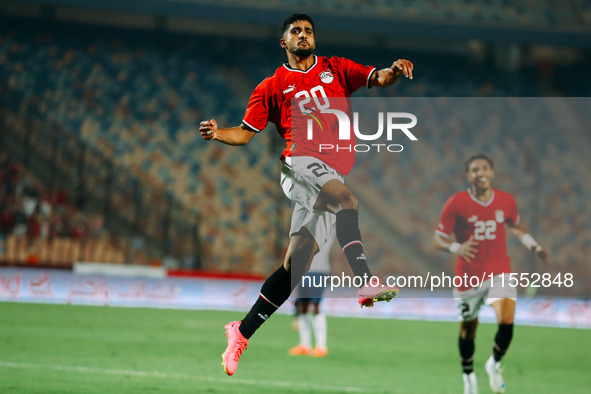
(297, 264)
(316, 308)
(468, 329)
(302, 307)
(505, 309)
(287, 264)
(348, 201)
(468, 334)
(302, 249)
(506, 319)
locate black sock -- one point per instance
(467, 354)
(349, 238)
(274, 292)
(502, 341)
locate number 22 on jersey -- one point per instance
(484, 230)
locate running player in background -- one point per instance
(321, 202)
(314, 321)
(477, 217)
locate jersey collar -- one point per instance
(289, 68)
(483, 203)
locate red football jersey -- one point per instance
(271, 101)
(465, 215)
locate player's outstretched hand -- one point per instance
(387, 76)
(544, 256)
(402, 66)
(208, 129)
(468, 249)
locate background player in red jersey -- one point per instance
(320, 200)
(477, 217)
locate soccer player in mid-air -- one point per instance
(477, 217)
(321, 203)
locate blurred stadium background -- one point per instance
(100, 161)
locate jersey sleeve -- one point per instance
(447, 221)
(257, 111)
(512, 213)
(354, 74)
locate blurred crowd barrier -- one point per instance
(40, 225)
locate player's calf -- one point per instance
(349, 238)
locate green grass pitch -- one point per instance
(89, 349)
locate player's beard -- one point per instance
(303, 53)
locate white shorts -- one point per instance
(469, 301)
(302, 178)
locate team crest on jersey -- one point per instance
(472, 219)
(326, 76)
(500, 216)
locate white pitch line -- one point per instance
(162, 375)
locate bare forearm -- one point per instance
(441, 243)
(529, 242)
(383, 78)
(234, 136)
(519, 231)
(466, 250)
(387, 76)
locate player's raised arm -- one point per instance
(529, 242)
(387, 76)
(235, 136)
(466, 250)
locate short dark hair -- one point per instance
(477, 156)
(294, 18)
